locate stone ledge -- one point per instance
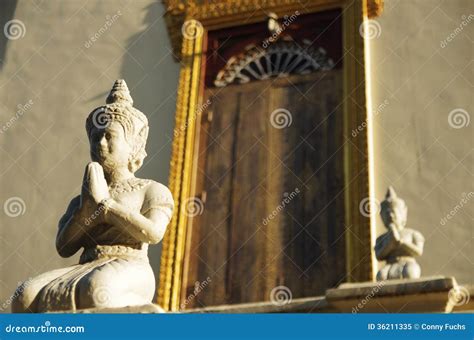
(429, 294)
(316, 304)
(424, 295)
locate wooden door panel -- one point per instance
(244, 241)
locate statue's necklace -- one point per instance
(129, 185)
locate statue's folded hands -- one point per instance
(114, 219)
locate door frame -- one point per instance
(188, 24)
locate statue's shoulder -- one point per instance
(157, 191)
(158, 196)
(415, 233)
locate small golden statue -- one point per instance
(399, 245)
(114, 219)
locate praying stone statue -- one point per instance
(399, 245)
(114, 219)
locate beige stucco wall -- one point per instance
(44, 151)
(429, 163)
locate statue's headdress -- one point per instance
(392, 201)
(119, 108)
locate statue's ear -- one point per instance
(139, 152)
(143, 134)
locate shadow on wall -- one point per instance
(153, 83)
(7, 25)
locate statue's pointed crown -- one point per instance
(119, 93)
(392, 199)
(391, 194)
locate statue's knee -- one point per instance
(411, 271)
(24, 297)
(96, 290)
(382, 274)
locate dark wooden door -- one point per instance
(271, 166)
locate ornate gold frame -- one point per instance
(228, 13)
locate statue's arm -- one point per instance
(148, 225)
(70, 230)
(416, 247)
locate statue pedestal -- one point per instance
(424, 295)
(142, 309)
(429, 294)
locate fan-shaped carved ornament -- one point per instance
(279, 59)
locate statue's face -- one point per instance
(109, 147)
(396, 215)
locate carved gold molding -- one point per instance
(359, 231)
(224, 13)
